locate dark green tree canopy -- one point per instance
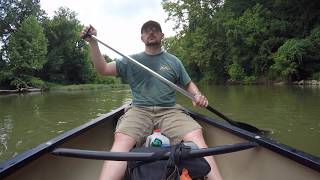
(248, 40)
(12, 13)
(68, 54)
(27, 49)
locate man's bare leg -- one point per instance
(196, 136)
(114, 170)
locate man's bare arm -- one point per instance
(102, 67)
(199, 99)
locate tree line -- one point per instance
(36, 49)
(247, 41)
(218, 41)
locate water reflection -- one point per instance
(27, 120)
(292, 113)
(5, 129)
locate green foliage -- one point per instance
(245, 35)
(99, 79)
(5, 76)
(27, 81)
(316, 76)
(241, 40)
(289, 57)
(236, 72)
(217, 41)
(27, 51)
(315, 37)
(29, 57)
(37, 82)
(195, 45)
(18, 83)
(68, 60)
(77, 87)
(12, 13)
(250, 79)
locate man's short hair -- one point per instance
(150, 23)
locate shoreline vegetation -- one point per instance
(20, 90)
(74, 87)
(221, 42)
(77, 87)
(295, 83)
(81, 87)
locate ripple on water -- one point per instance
(100, 114)
(61, 122)
(19, 143)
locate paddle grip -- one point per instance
(88, 33)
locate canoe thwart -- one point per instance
(149, 156)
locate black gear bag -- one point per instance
(170, 169)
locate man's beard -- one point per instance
(153, 44)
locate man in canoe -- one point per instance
(154, 102)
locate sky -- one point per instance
(118, 22)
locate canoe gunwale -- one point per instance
(282, 149)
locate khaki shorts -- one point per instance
(139, 122)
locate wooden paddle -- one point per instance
(241, 125)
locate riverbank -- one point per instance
(74, 87)
(307, 82)
(77, 87)
(21, 90)
(299, 83)
(311, 83)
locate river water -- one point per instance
(291, 113)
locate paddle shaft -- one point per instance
(177, 88)
(164, 80)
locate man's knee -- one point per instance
(197, 133)
(118, 136)
(122, 142)
(196, 136)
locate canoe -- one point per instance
(265, 159)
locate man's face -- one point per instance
(152, 36)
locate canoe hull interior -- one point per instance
(254, 164)
(51, 167)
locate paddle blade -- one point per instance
(241, 125)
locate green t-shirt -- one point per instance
(147, 90)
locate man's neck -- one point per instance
(153, 50)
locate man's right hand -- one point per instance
(88, 30)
